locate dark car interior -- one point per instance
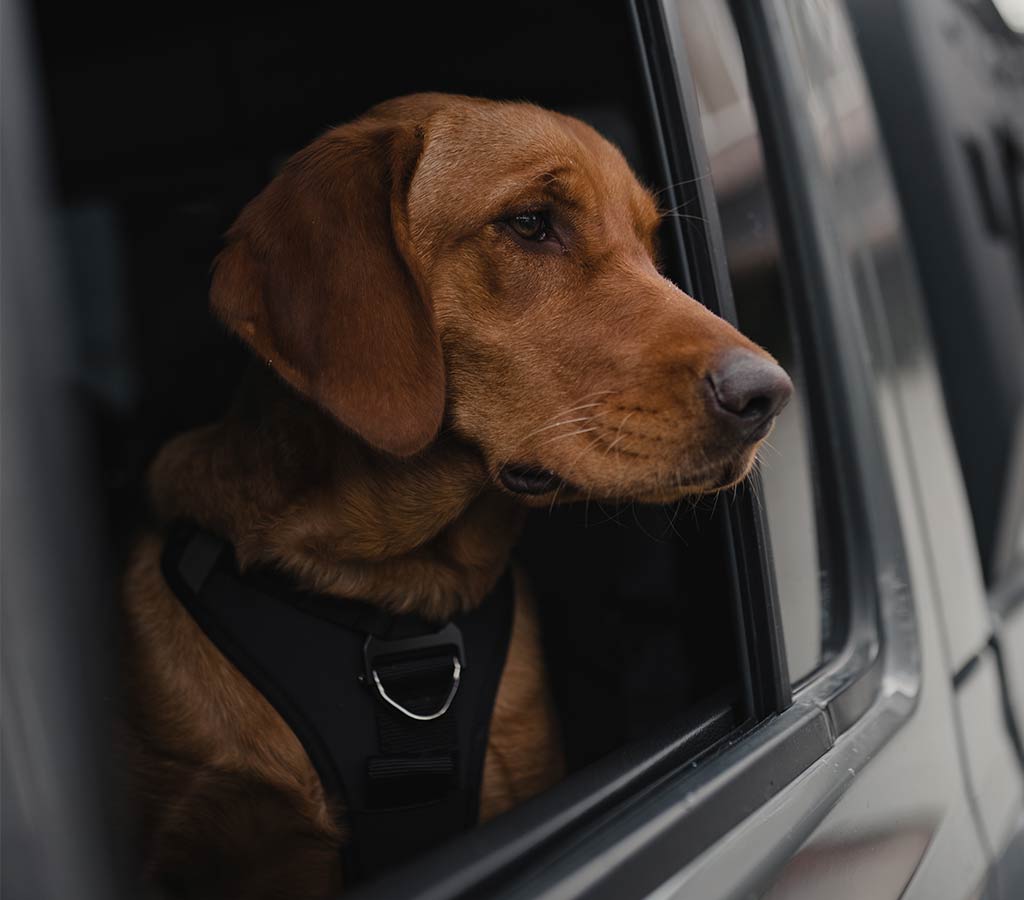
(164, 127)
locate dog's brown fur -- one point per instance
(424, 344)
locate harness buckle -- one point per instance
(376, 649)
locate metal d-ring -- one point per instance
(456, 673)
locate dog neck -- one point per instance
(290, 487)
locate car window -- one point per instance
(789, 489)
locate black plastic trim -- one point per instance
(674, 100)
(681, 157)
(665, 126)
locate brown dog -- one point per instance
(460, 302)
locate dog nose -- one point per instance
(748, 390)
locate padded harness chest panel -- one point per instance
(403, 785)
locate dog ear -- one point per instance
(319, 278)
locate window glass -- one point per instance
(737, 170)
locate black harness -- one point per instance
(393, 711)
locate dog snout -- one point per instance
(747, 391)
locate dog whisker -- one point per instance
(557, 424)
(611, 446)
(565, 412)
(668, 212)
(640, 525)
(585, 450)
(559, 437)
(679, 215)
(584, 401)
(682, 183)
(554, 498)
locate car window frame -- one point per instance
(831, 539)
(842, 498)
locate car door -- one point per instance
(803, 63)
(948, 78)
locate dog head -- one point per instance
(491, 266)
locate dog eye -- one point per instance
(531, 226)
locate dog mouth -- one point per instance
(530, 480)
(536, 481)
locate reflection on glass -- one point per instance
(753, 255)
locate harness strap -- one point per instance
(418, 759)
(393, 711)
